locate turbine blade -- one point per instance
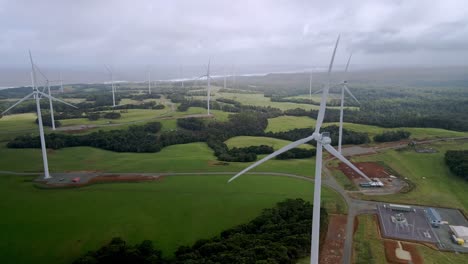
(347, 64)
(349, 92)
(323, 102)
(318, 91)
(17, 103)
(107, 68)
(40, 72)
(274, 154)
(55, 99)
(338, 155)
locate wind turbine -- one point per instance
(323, 141)
(112, 84)
(344, 88)
(61, 82)
(310, 86)
(208, 78)
(181, 76)
(225, 78)
(149, 80)
(36, 95)
(50, 95)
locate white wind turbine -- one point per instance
(36, 94)
(112, 85)
(344, 88)
(52, 118)
(61, 82)
(181, 76)
(310, 86)
(149, 80)
(208, 78)
(323, 141)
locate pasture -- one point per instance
(58, 225)
(434, 184)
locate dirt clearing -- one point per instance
(332, 250)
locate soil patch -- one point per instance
(371, 169)
(390, 250)
(122, 178)
(332, 249)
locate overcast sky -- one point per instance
(66, 33)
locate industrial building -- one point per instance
(399, 207)
(434, 217)
(373, 183)
(460, 234)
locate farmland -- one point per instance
(175, 211)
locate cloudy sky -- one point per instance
(86, 33)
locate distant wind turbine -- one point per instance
(50, 96)
(225, 76)
(344, 88)
(323, 141)
(61, 82)
(112, 85)
(208, 78)
(36, 94)
(181, 76)
(310, 86)
(149, 80)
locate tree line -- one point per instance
(279, 235)
(457, 161)
(388, 136)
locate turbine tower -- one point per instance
(36, 95)
(208, 78)
(50, 95)
(181, 72)
(323, 141)
(61, 82)
(149, 80)
(344, 88)
(112, 85)
(225, 78)
(310, 86)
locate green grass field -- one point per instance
(56, 226)
(246, 141)
(435, 184)
(260, 100)
(285, 123)
(193, 157)
(366, 245)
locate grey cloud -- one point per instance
(66, 32)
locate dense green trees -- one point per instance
(134, 139)
(191, 123)
(349, 136)
(118, 252)
(279, 235)
(388, 136)
(457, 161)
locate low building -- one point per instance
(399, 207)
(434, 217)
(460, 232)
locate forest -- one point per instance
(457, 161)
(279, 235)
(388, 136)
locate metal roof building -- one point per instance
(460, 231)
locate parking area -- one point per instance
(413, 225)
(406, 225)
(450, 217)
